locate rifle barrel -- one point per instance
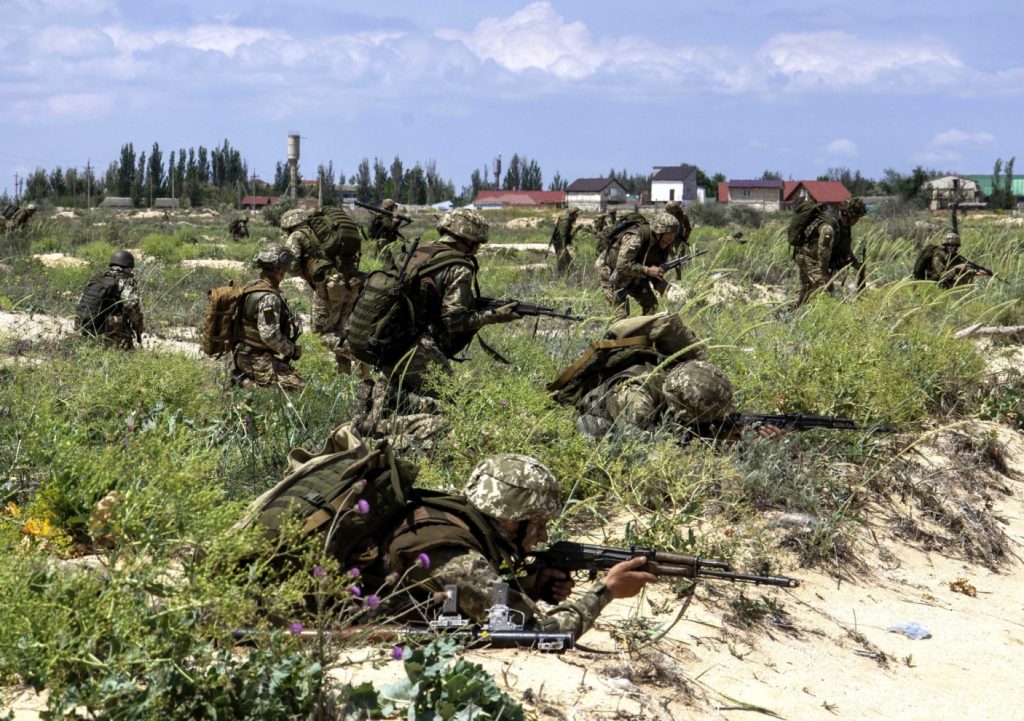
(782, 581)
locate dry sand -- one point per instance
(60, 260)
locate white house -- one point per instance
(675, 182)
(595, 193)
(946, 189)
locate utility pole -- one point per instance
(88, 184)
(16, 194)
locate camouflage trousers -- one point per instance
(617, 403)
(333, 301)
(117, 333)
(256, 369)
(812, 279)
(563, 259)
(410, 372)
(618, 297)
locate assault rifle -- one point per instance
(524, 308)
(406, 220)
(660, 284)
(980, 268)
(798, 422)
(665, 267)
(572, 557)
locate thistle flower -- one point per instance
(359, 486)
(398, 653)
(296, 628)
(423, 560)
(391, 579)
(363, 506)
(319, 571)
(372, 600)
(355, 591)
(354, 572)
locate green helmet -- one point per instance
(854, 207)
(294, 218)
(698, 391)
(952, 238)
(388, 204)
(274, 257)
(514, 487)
(674, 207)
(464, 224)
(123, 258)
(664, 223)
(574, 210)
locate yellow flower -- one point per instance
(38, 527)
(12, 509)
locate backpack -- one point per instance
(222, 318)
(8, 211)
(607, 237)
(392, 312)
(924, 262)
(98, 299)
(806, 213)
(337, 234)
(320, 491)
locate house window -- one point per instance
(746, 193)
(672, 194)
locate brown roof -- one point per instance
(521, 197)
(673, 172)
(591, 185)
(260, 199)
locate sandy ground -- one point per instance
(218, 263)
(60, 260)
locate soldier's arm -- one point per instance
(628, 266)
(294, 243)
(826, 239)
(268, 323)
(458, 302)
(131, 306)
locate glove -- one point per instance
(297, 353)
(505, 314)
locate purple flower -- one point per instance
(247, 421)
(354, 572)
(319, 571)
(355, 591)
(363, 506)
(372, 601)
(423, 560)
(391, 579)
(503, 404)
(398, 653)
(296, 628)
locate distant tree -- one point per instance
(58, 186)
(558, 182)
(497, 173)
(125, 171)
(138, 190)
(397, 174)
(380, 181)
(155, 173)
(364, 189)
(710, 184)
(37, 185)
(513, 176)
(1002, 197)
(771, 175)
(325, 174)
(415, 186)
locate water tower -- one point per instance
(293, 164)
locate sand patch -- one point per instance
(60, 260)
(217, 263)
(525, 223)
(495, 247)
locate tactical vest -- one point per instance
(314, 266)
(437, 259)
(252, 294)
(611, 255)
(99, 300)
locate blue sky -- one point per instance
(736, 87)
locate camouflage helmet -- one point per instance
(274, 257)
(951, 238)
(673, 206)
(388, 204)
(294, 218)
(698, 391)
(514, 487)
(664, 223)
(854, 207)
(574, 210)
(30, 206)
(123, 259)
(464, 224)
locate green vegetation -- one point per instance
(150, 633)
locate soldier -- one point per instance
(944, 264)
(561, 239)
(384, 227)
(21, 217)
(600, 222)
(509, 501)
(452, 316)
(269, 331)
(334, 287)
(109, 307)
(239, 228)
(681, 245)
(827, 247)
(631, 263)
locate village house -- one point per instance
(675, 182)
(828, 192)
(763, 195)
(257, 202)
(943, 191)
(595, 193)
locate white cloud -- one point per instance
(72, 42)
(842, 146)
(961, 137)
(949, 145)
(80, 105)
(841, 61)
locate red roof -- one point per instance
(520, 197)
(723, 191)
(258, 200)
(820, 191)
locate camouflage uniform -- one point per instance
(827, 248)
(21, 217)
(113, 314)
(239, 228)
(941, 268)
(262, 356)
(474, 554)
(384, 228)
(622, 268)
(561, 239)
(681, 245)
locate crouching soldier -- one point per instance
(631, 264)
(508, 503)
(109, 308)
(267, 342)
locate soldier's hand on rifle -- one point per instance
(554, 584)
(653, 271)
(505, 314)
(625, 580)
(770, 431)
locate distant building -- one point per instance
(985, 185)
(347, 191)
(113, 201)
(519, 198)
(675, 182)
(166, 203)
(829, 192)
(595, 193)
(763, 195)
(943, 191)
(256, 202)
